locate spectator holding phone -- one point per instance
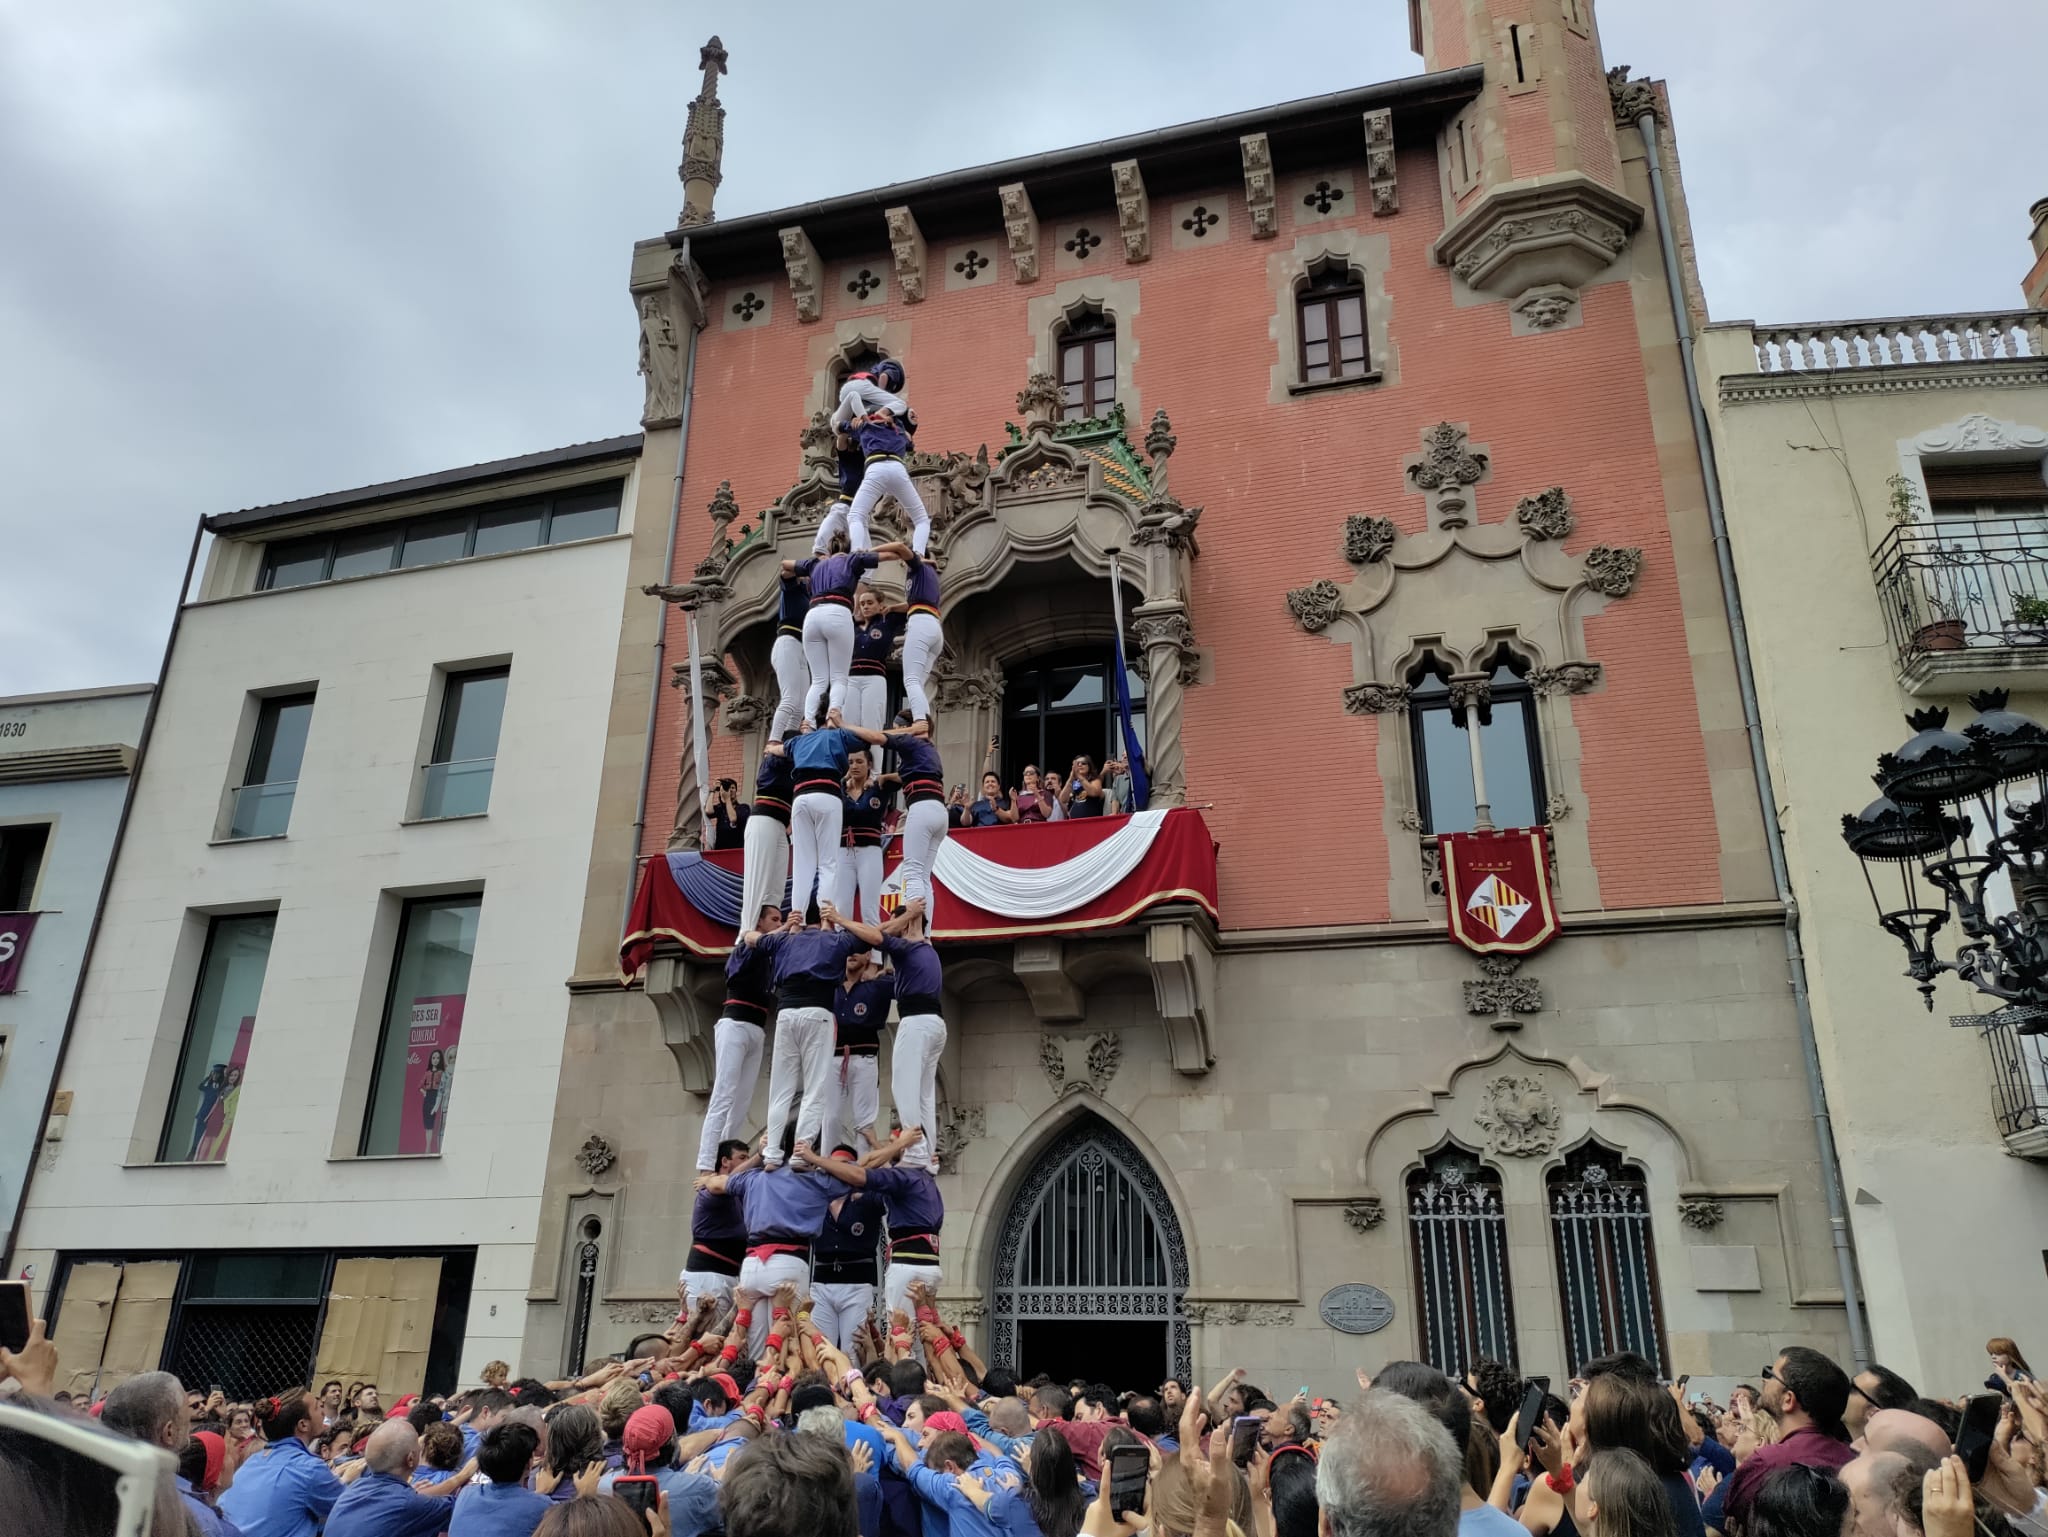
(1082, 795)
(729, 815)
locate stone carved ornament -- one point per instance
(1700, 1212)
(1074, 1063)
(1258, 1314)
(1602, 231)
(660, 363)
(964, 1124)
(744, 713)
(1367, 540)
(907, 250)
(1500, 992)
(1039, 400)
(1378, 699)
(1446, 461)
(1316, 606)
(1564, 678)
(1519, 1117)
(595, 1156)
(1631, 98)
(1546, 515)
(1546, 308)
(1611, 570)
(1259, 200)
(1362, 1216)
(647, 1314)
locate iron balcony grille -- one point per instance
(1460, 1235)
(1953, 585)
(2019, 1084)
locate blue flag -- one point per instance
(1134, 751)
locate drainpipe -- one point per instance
(668, 566)
(99, 911)
(1774, 839)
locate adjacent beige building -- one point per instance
(1888, 509)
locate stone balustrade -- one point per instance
(1902, 342)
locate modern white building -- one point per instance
(64, 766)
(312, 1075)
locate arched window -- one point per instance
(1088, 366)
(1606, 1262)
(862, 360)
(1330, 309)
(1057, 707)
(1461, 1262)
(1509, 747)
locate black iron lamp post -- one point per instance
(1918, 831)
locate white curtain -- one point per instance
(1047, 890)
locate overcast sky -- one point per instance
(259, 249)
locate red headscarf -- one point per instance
(648, 1429)
(216, 1458)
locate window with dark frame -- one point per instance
(1331, 312)
(1057, 707)
(491, 529)
(1458, 1229)
(412, 1076)
(22, 847)
(270, 779)
(1606, 1257)
(458, 775)
(1088, 367)
(206, 1089)
(1509, 746)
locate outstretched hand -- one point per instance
(34, 1366)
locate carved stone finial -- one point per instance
(1546, 515)
(1701, 1213)
(1039, 401)
(1519, 1117)
(1316, 606)
(1501, 993)
(800, 257)
(1379, 162)
(723, 510)
(1631, 98)
(907, 250)
(703, 141)
(595, 1156)
(1260, 200)
(1159, 446)
(1133, 210)
(660, 364)
(1611, 570)
(1365, 1214)
(1020, 224)
(816, 439)
(1165, 522)
(1367, 540)
(1442, 471)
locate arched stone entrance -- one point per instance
(1091, 1266)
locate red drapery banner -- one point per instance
(1180, 866)
(1498, 886)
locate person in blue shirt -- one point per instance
(916, 1213)
(844, 1270)
(737, 1039)
(504, 1507)
(808, 964)
(817, 813)
(923, 638)
(785, 1209)
(383, 1503)
(859, 888)
(941, 1477)
(284, 1490)
(876, 629)
(920, 1028)
(923, 779)
(853, 1089)
(650, 1446)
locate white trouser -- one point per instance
(924, 829)
(761, 1277)
(923, 640)
(860, 881)
(839, 1308)
(834, 522)
(853, 1102)
(802, 1061)
(699, 1284)
(828, 652)
(765, 871)
(896, 1283)
(914, 1083)
(815, 823)
(867, 704)
(792, 681)
(888, 477)
(736, 1047)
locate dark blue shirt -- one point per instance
(381, 1505)
(860, 1012)
(918, 765)
(835, 576)
(787, 1204)
(920, 979)
(809, 964)
(852, 465)
(845, 1250)
(497, 1510)
(794, 603)
(820, 756)
(749, 982)
(982, 813)
(863, 816)
(716, 1216)
(921, 585)
(873, 641)
(912, 1196)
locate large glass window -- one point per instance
(263, 803)
(415, 1068)
(208, 1085)
(1088, 368)
(583, 513)
(1057, 708)
(1606, 1259)
(458, 777)
(21, 862)
(1508, 748)
(1332, 314)
(1460, 1235)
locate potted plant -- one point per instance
(2029, 620)
(1904, 497)
(1944, 586)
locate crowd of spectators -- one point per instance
(1084, 791)
(919, 1438)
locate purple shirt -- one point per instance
(860, 1012)
(873, 641)
(837, 575)
(750, 979)
(912, 1196)
(717, 1216)
(809, 964)
(920, 979)
(786, 1205)
(921, 585)
(916, 759)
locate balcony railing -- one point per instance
(461, 788)
(1964, 585)
(2019, 1086)
(262, 811)
(1908, 340)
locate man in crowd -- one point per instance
(649, 1445)
(1448, 1405)
(1884, 1491)
(383, 1503)
(150, 1408)
(284, 1490)
(783, 1486)
(1872, 1389)
(1806, 1393)
(1389, 1471)
(503, 1507)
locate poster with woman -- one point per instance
(220, 1092)
(429, 1071)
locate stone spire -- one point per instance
(703, 141)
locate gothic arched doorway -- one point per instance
(1091, 1267)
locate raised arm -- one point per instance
(867, 734)
(888, 1150)
(846, 1173)
(865, 933)
(895, 549)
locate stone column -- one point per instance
(703, 141)
(1168, 641)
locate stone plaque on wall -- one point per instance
(1357, 1309)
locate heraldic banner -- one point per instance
(1498, 886)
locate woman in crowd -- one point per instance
(994, 808)
(575, 1441)
(1624, 1498)
(1082, 794)
(1798, 1501)
(876, 630)
(859, 888)
(1054, 1493)
(2007, 1361)
(1034, 803)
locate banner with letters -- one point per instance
(15, 931)
(1498, 890)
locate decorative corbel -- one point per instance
(1379, 162)
(1040, 966)
(1020, 223)
(906, 247)
(1133, 210)
(1502, 994)
(1183, 963)
(685, 1021)
(801, 258)
(1260, 202)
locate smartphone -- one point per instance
(1530, 1415)
(1129, 1467)
(15, 1319)
(1973, 1436)
(1244, 1435)
(639, 1491)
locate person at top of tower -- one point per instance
(873, 412)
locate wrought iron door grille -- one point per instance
(1091, 1235)
(250, 1349)
(1461, 1264)
(1606, 1261)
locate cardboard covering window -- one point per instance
(112, 1322)
(380, 1324)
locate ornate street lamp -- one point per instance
(1996, 768)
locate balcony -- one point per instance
(2019, 1085)
(1911, 341)
(1966, 598)
(261, 810)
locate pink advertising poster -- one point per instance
(220, 1094)
(429, 1071)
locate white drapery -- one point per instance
(1047, 890)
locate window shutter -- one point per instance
(1972, 485)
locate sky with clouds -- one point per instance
(260, 249)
